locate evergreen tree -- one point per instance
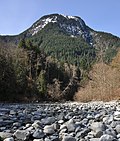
(41, 84)
(22, 44)
(29, 44)
(7, 78)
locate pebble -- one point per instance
(117, 128)
(68, 138)
(97, 126)
(106, 137)
(38, 134)
(9, 139)
(22, 135)
(48, 129)
(5, 135)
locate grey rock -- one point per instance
(5, 135)
(48, 129)
(85, 121)
(22, 134)
(6, 122)
(80, 134)
(118, 136)
(46, 139)
(108, 119)
(81, 139)
(91, 134)
(17, 124)
(117, 128)
(36, 124)
(9, 139)
(56, 126)
(30, 129)
(71, 127)
(97, 116)
(27, 125)
(98, 134)
(78, 128)
(12, 112)
(60, 116)
(63, 131)
(48, 120)
(69, 116)
(61, 121)
(38, 140)
(38, 134)
(2, 128)
(54, 138)
(83, 133)
(97, 126)
(106, 137)
(68, 138)
(63, 126)
(113, 124)
(94, 139)
(117, 115)
(111, 132)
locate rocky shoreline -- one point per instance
(94, 121)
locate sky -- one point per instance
(18, 15)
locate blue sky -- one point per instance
(18, 15)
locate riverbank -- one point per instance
(71, 121)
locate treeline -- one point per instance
(106, 44)
(27, 74)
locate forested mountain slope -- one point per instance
(53, 59)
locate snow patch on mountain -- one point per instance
(41, 24)
(71, 17)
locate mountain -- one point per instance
(60, 51)
(73, 33)
(51, 27)
(73, 26)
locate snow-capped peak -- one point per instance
(72, 25)
(55, 18)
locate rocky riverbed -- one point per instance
(94, 121)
